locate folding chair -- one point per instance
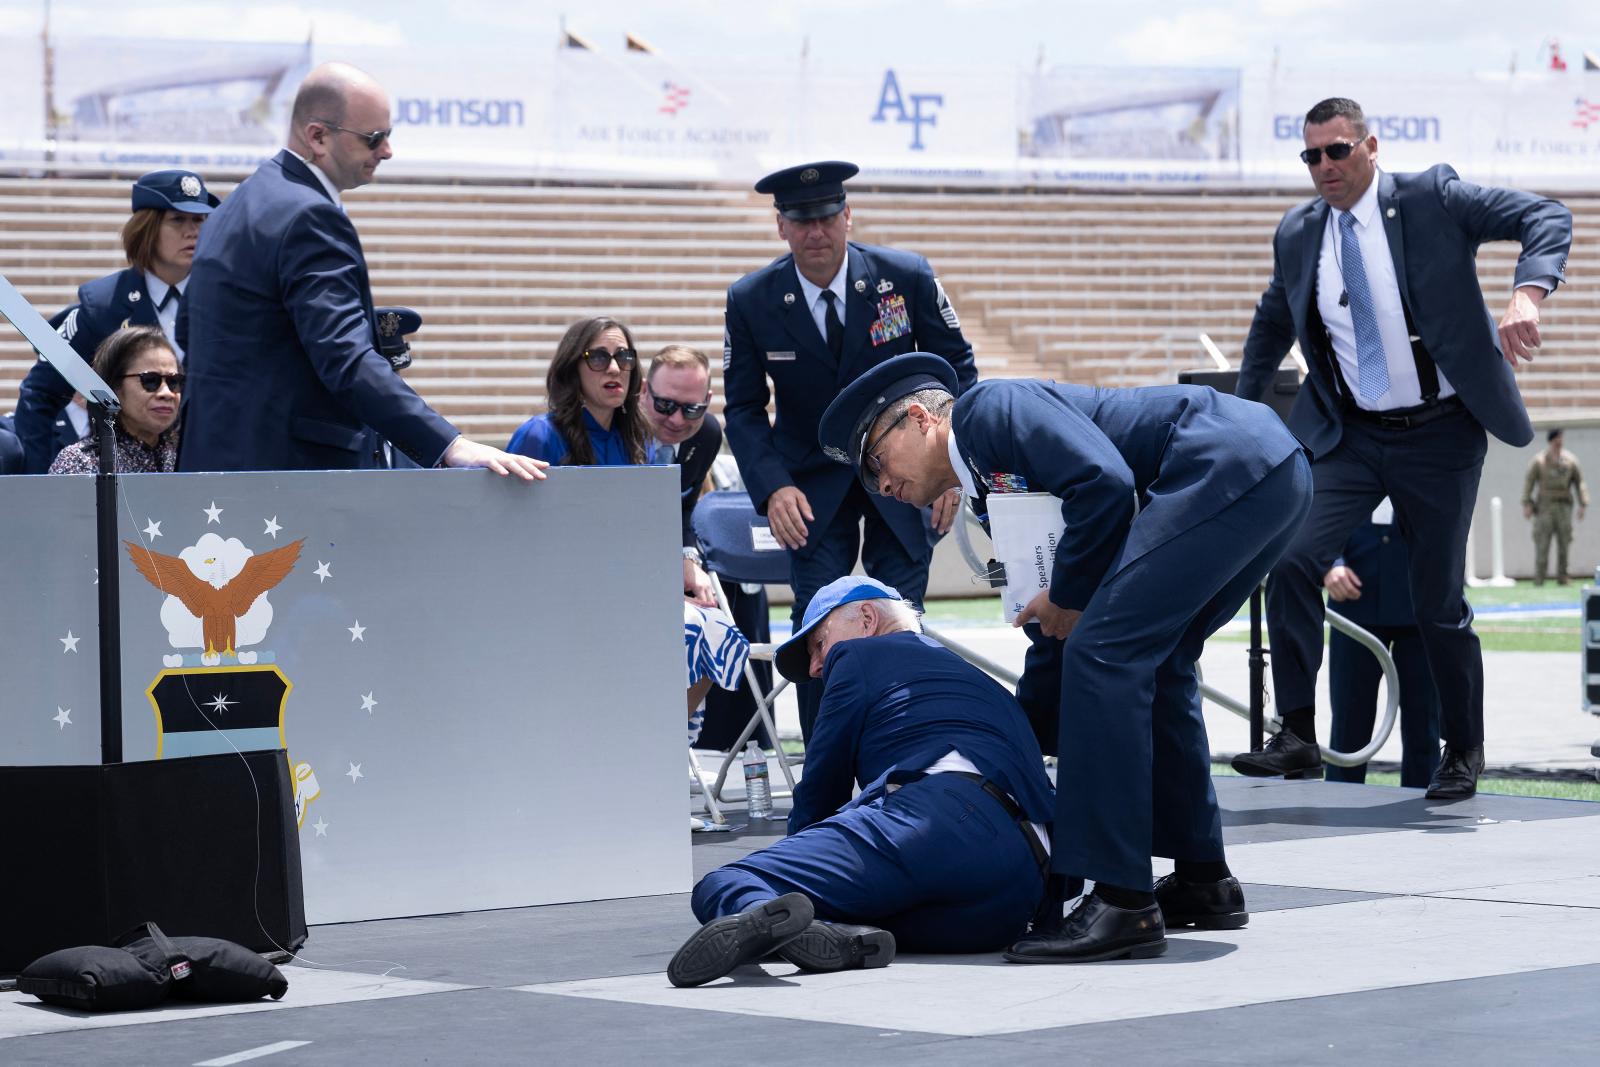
(736, 544)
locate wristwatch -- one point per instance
(692, 554)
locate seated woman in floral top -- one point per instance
(139, 364)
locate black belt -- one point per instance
(1013, 809)
(1406, 418)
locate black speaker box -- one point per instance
(1285, 386)
(200, 845)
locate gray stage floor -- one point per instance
(1385, 928)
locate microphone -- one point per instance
(1344, 299)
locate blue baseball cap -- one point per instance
(173, 190)
(792, 659)
(842, 433)
(809, 191)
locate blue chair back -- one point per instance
(737, 544)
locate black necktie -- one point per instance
(835, 328)
(172, 297)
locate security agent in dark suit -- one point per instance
(1176, 500)
(284, 372)
(158, 239)
(1369, 586)
(676, 399)
(1376, 280)
(812, 322)
(944, 848)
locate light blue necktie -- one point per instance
(1372, 365)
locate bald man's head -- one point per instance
(338, 110)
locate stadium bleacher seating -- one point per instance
(1109, 288)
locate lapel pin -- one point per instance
(133, 296)
(861, 286)
(788, 298)
(1389, 214)
(885, 286)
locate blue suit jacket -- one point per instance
(104, 306)
(892, 706)
(279, 339)
(1378, 556)
(770, 335)
(11, 456)
(1185, 452)
(1434, 222)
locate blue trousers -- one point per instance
(1134, 777)
(1353, 677)
(938, 863)
(1431, 474)
(830, 553)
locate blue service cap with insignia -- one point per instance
(173, 190)
(792, 659)
(809, 191)
(845, 425)
(393, 326)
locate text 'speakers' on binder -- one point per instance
(1025, 529)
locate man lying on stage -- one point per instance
(943, 850)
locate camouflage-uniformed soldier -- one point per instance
(1554, 481)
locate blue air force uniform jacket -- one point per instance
(1182, 452)
(104, 306)
(280, 343)
(898, 308)
(892, 706)
(1434, 222)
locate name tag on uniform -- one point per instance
(893, 320)
(779, 356)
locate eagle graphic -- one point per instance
(215, 600)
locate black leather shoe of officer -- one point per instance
(1215, 905)
(723, 944)
(827, 946)
(1285, 754)
(1456, 777)
(1096, 931)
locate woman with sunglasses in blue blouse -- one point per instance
(592, 390)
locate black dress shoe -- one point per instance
(1215, 905)
(1096, 931)
(1456, 777)
(723, 944)
(1285, 754)
(839, 947)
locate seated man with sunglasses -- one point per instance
(278, 321)
(1408, 372)
(139, 364)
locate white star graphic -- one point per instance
(213, 514)
(153, 530)
(69, 643)
(273, 527)
(63, 717)
(220, 703)
(356, 631)
(354, 772)
(324, 572)
(320, 827)
(367, 703)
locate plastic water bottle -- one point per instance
(757, 790)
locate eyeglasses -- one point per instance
(600, 358)
(869, 456)
(373, 139)
(1338, 151)
(150, 381)
(667, 407)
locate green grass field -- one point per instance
(1552, 788)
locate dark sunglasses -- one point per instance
(150, 381)
(1338, 151)
(869, 458)
(667, 407)
(373, 139)
(600, 358)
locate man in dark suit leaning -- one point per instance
(813, 321)
(279, 327)
(1376, 280)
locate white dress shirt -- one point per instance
(166, 316)
(819, 306)
(1405, 391)
(327, 182)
